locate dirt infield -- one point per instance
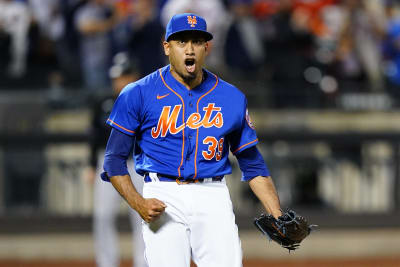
(247, 263)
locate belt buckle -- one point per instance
(180, 182)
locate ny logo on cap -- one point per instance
(192, 21)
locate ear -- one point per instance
(166, 48)
(206, 47)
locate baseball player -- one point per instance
(185, 120)
(106, 200)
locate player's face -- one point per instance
(187, 52)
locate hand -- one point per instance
(150, 209)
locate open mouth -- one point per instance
(190, 65)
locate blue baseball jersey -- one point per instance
(181, 132)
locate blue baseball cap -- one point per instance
(187, 22)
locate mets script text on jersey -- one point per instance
(167, 121)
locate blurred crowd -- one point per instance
(326, 45)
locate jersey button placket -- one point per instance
(191, 132)
(190, 143)
(190, 136)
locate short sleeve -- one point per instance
(245, 136)
(125, 115)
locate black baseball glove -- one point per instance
(288, 230)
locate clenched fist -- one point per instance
(150, 209)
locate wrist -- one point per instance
(276, 213)
(139, 202)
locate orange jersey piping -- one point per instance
(183, 120)
(197, 134)
(123, 128)
(255, 140)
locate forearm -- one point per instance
(148, 208)
(264, 189)
(124, 186)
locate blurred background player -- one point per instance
(107, 201)
(94, 22)
(146, 36)
(14, 27)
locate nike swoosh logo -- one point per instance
(162, 96)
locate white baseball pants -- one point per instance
(198, 223)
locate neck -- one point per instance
(188, 83)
